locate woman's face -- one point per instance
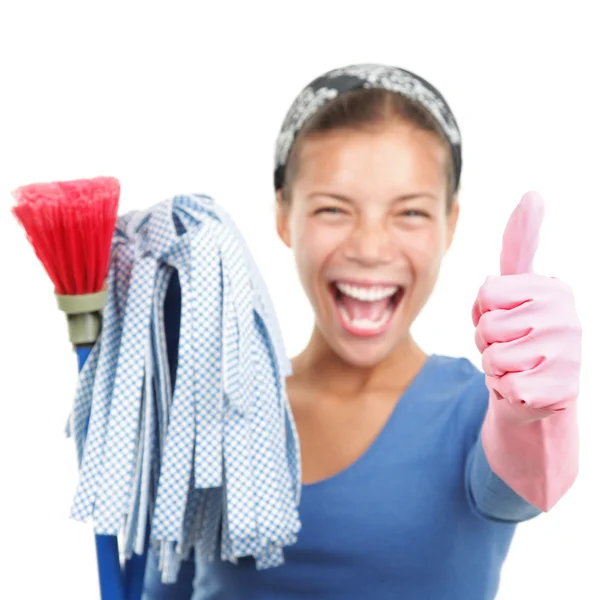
(368, 226)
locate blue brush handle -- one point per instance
(112, 583)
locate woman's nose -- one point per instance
(369, 244)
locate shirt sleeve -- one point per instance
(489, 496)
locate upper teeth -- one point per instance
(367, 294)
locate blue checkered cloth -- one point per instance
(213, 462)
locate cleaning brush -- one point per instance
(70, 226)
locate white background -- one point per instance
(176, 97)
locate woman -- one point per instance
(416, 468)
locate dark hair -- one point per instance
(360, 109)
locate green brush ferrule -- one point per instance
(84, 316)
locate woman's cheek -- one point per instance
(426, 247)
(306, 246)
(317, 240)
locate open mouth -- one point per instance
(366, 310)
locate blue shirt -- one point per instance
(420, 516)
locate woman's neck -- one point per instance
(319, 366)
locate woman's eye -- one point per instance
(414, 213)
(333, 210)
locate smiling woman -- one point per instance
(416, 469)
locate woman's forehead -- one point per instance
(391, 156)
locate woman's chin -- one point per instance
(365, 352)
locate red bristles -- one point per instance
(70, 225)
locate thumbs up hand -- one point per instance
(526, 325)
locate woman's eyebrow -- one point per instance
(401, 198)
(340, 197)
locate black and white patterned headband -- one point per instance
(353, 77)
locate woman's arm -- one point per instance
(520, 467)
(489, 495)
(529, 334)
(536, 452)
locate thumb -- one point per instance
(521, 236)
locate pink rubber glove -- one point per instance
(529, 335)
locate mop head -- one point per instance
(210, 461)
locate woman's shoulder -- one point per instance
(461, 383)
(457, 369)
